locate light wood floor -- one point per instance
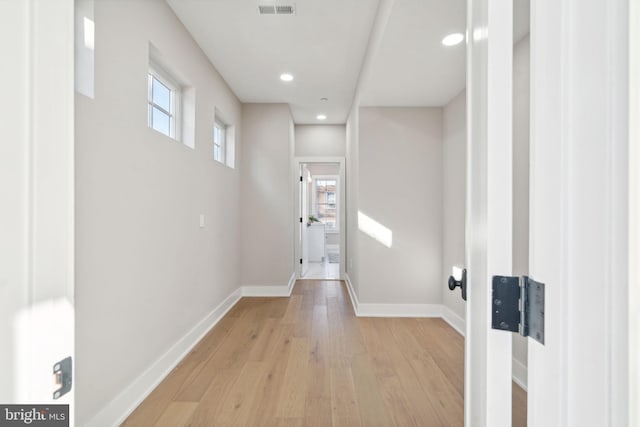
(308, 361)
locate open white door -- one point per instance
(37, 188)
(578, 212)
(489, 208)
(304, 214)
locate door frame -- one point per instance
(579, 210)
(634, 215)
(37, 166)
(297, 205)
(488, 240)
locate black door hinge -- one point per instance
(300, 179)
(300, 260)
(300, 219)
(518, 306)
(62, 374)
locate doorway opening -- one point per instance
(321, 205)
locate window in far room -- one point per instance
(326, 202)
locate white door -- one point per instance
(578, 211)
(304, 209)
(489, 208)
(37, 190)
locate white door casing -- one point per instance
(489, 208)
(634, 216)
(578, 214)
(37, 187)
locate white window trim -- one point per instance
(176, 100)
(314, 204)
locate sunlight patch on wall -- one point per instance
(375, 230)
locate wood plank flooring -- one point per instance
(307, 360)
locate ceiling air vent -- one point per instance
(267, 9)
(276, 9)
(284, 10)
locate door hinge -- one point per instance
(300, 179)
(62, 377)
(300, 260)
(518, 306)
(300, 219)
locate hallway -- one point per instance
(307, 360)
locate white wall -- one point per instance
(324, 168)
(400, 186)
(520, 178)
(267, 195)
(146, 273)
(320, 140)
(352, 176)
(454, 178)
(454, 161)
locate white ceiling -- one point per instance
(411, 66)
(324, 44)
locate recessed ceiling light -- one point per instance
(286, 77)
(321, 117)
(453, 39)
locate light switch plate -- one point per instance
(201, 220)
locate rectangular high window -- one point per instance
(219, 141)
(163, 103)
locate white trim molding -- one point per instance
(117, 410)
(399, 310)
(270, 290)
(352, 293)
(519, 373)
(453, 319)
(391, 310)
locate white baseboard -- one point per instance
(352, 293)
(453, 319)
(115, 412)
(270, 290)
(391, 310)
(519, 374)
(399, 310)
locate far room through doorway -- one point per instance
(320, 224)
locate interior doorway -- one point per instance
(321, 226)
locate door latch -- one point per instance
(458, 278)
(518, 306)
(62, 377)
